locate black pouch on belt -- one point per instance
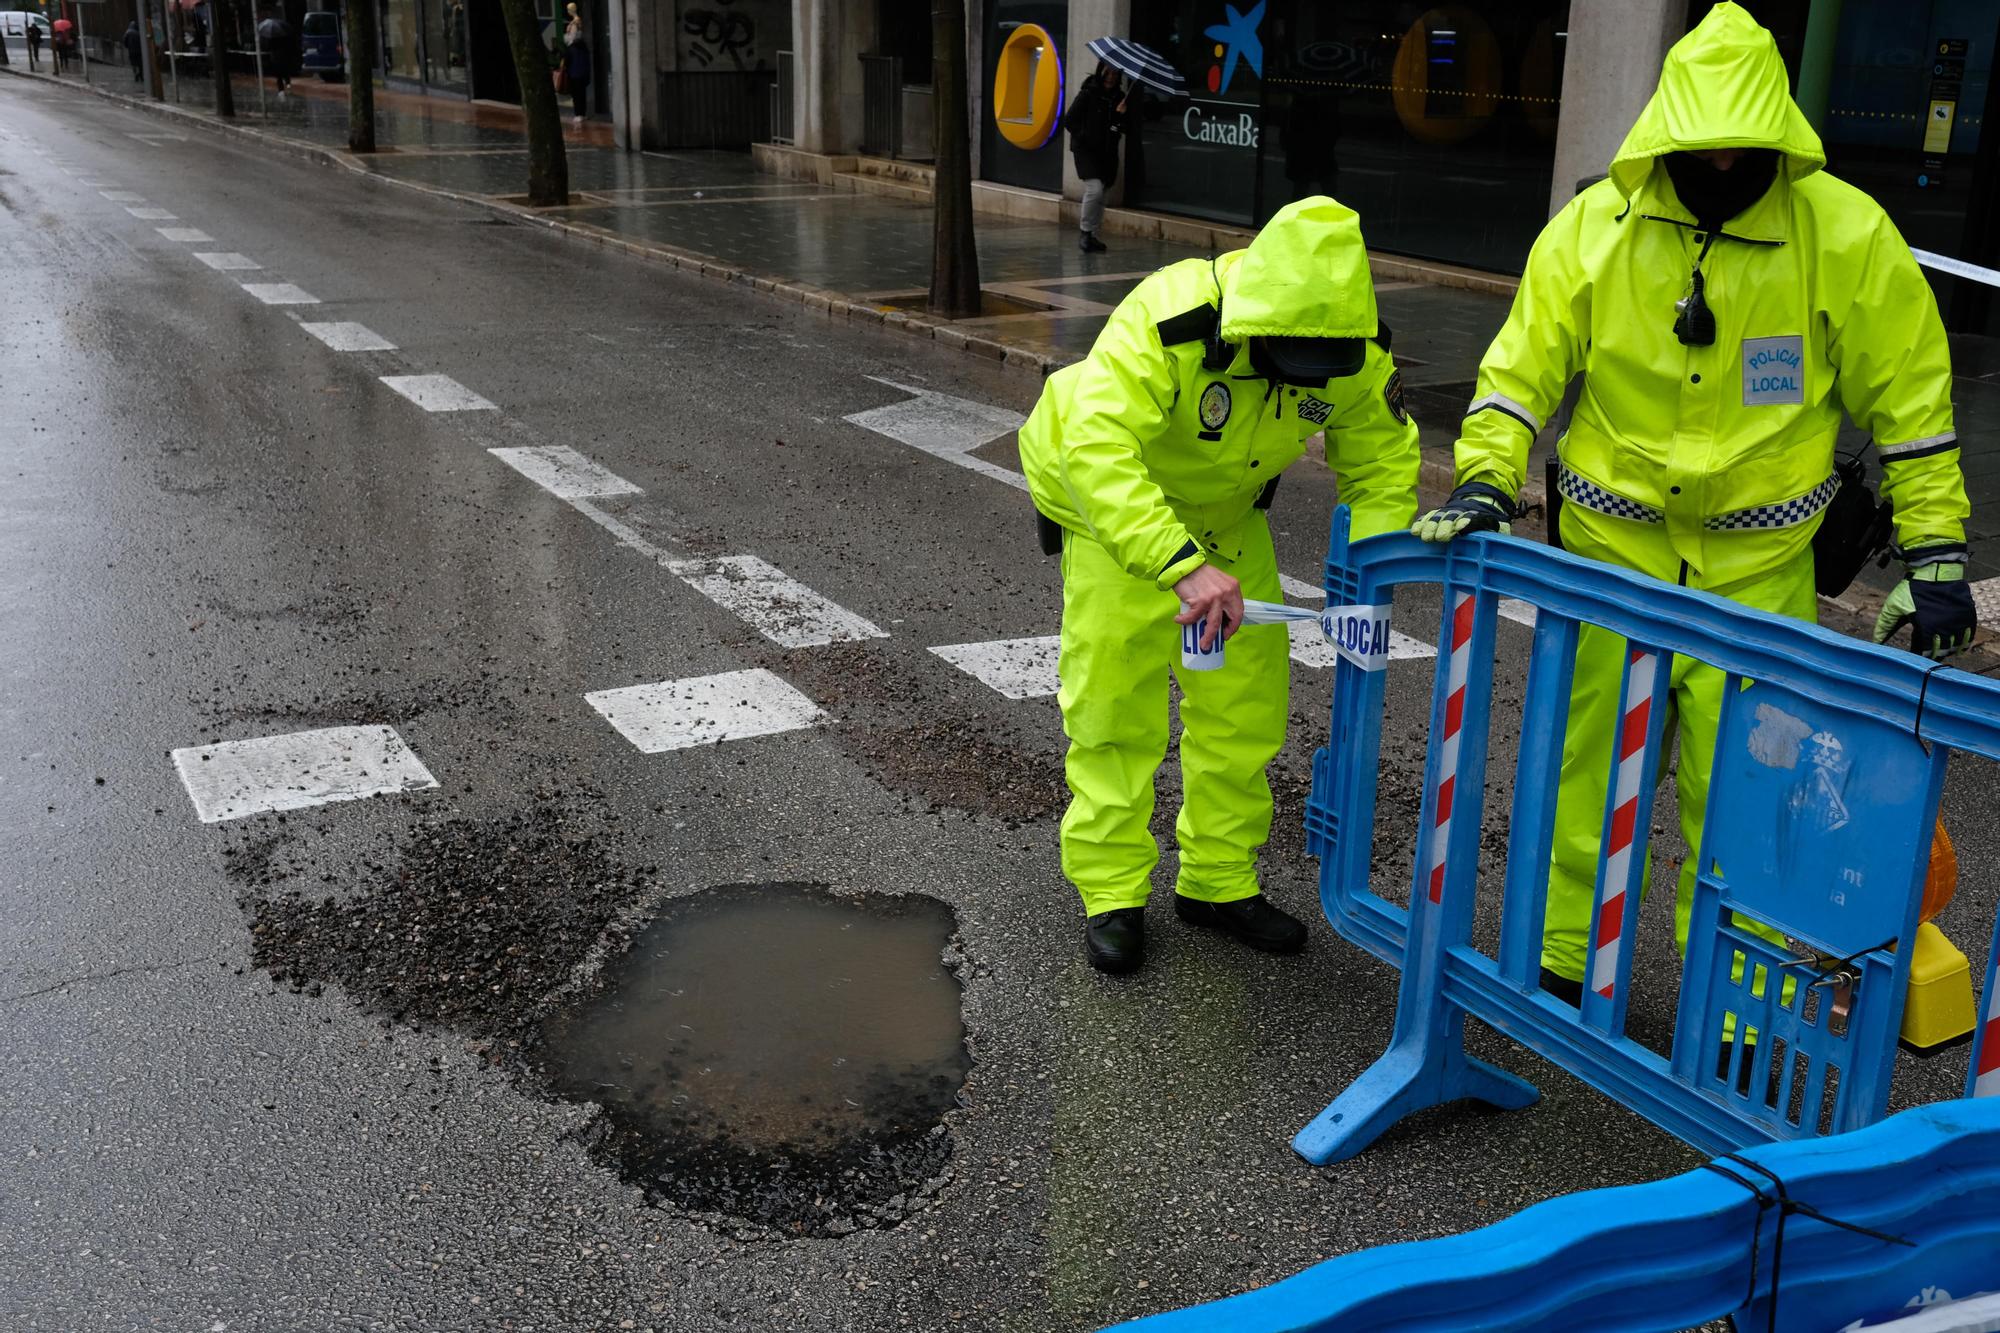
(1049, 533)
(1854, 530)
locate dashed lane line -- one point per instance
(227, 261)
(703, 710)
(438, 393)
(123, 196)
(774, 603)
(300, 769)
(280, 293)
(346, 336)
(186, 235)
(152, 214)
(565, 473)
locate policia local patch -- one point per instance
(1774, 370)
(1215, 405)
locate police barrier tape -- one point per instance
(1829, 761)
(1834, 1234)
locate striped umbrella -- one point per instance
(1141, 64)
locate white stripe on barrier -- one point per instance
(1457, 669)
(1958, 268)
(1987, 1081)
(1624, 839)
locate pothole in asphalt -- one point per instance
(775, 1053)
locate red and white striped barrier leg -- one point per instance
(1454, 721)
(1619, 847)
(1986, 1080)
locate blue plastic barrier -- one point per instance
(1768, 1237)
(1830, 758)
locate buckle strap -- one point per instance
(1578, 489)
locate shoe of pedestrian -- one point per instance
(1569, 992)
(1092, 245)
(1115, 941)
(1252, 921)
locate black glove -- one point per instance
(1473, 507)
(1934, 600)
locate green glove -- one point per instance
(1934, 600)
(1473, 507)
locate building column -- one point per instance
(1816, 60)
(1089, 20)
(635, 95)
(828, 40)
(1611, 64)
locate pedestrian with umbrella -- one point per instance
(1099, 115)
(64, 42)
(275, 36)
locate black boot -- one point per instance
(1252, 921)
(1115, 941)
(1092, 244)
(1569, 992)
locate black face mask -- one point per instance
(1715, 196)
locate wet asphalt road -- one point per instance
(217, 528)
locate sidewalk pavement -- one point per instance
(868, 254)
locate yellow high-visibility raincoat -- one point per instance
(1153, 454)
(1709, 465)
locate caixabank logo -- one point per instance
(1236, 42)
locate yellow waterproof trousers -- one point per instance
(1694, 711)
(1119, 645)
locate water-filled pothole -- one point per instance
(775, 1053)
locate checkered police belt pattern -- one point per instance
(1781, 514)
(1579, 490)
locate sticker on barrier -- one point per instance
(1829, 760)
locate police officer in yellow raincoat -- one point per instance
(1725, 300)
(1156, 455)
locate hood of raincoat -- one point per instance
(1304, 276)
(1723, 86)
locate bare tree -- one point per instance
(360, 16)
(218, 57)
(954, 253)
(548, 166)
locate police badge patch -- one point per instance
(1313, 410)
(1392, 393)
(1215, 404)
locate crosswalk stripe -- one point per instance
(228, 261)
(944, 426)
(280, 293)
(772, 602)
(347, 336)
(1016, 668)
(701, 710)
(186, 235)
(152, 214)
(438, 393)
(291, 772)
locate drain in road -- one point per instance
(775, 1053)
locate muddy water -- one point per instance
(774, 1029)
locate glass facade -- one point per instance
(1437, 124)
(444, 44)
(400, 57)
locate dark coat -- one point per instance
(1094, 125)
(132, 43)
(576, 63)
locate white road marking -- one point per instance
(627, 537)
(944, 426)
(773, 603)
(123, 196)
(291, 772)
(676, 714)
(186, 235)
(227, 260)
(152, 214)
(1518, 611)
(1299, 588)
(565, 473)
(1017, 668)
(438, 393)
(280, 293)
(343, 336)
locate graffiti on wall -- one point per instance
(732, 34)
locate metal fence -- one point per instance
(715, 108)
(782, 93)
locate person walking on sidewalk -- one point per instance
(576, 68)
(1096, 119)
(1702, 449)
(132, 53)
(1152, 461)
(275, 36)
(34, 40)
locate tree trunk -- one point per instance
(548, 166)
(218, 57)
(360, 16)
(954, 253)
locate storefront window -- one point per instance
(444, 44)
(399, 39)
(1437, 124)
